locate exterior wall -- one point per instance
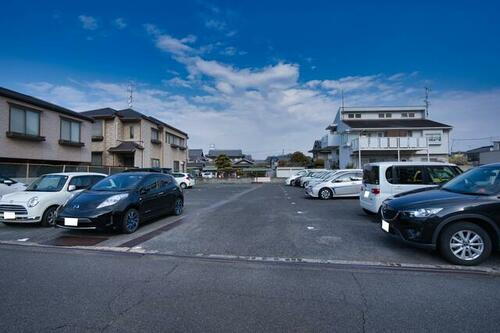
(489, 157)
(50, 149)
(373, 115)
(172, 154)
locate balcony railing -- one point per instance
(389, 143)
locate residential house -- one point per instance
(234, 155)
(361, 135)
(320, 151)
(492, 156)
(196, 160)
(131, 139)
(35, 131)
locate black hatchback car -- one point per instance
(461, 219)
(122, 201)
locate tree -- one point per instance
(223, 164)
(319, 163)
(299, 159)
(458, 159)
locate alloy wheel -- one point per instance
(132, 220)
(325, 194)
(467, 245)
(179, 205)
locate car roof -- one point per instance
(496, 165)
(409, 163)
(76, 174)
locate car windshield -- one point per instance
(118, 182)
(479, 181)
(48, 183)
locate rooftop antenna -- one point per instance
(130, 90)
(426, 100)
(342, 93)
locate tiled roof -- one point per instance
(227, 152)
(126, 147)
(41, 103)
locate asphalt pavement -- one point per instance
(67, 290)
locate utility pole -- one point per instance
(426, 101)
(342, 94)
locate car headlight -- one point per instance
(424, 212)
(33, 202)
(112, 200)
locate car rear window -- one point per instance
(371, 174)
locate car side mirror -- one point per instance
(143, 191)
(72, 188)
(8, 182)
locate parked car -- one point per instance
(8, 185)
(168, 171)
(207, 175)
(184, 180)
(328, 176)
(385, 179)
(39, 202)
(343, 184)
(461, 219)
(312, 174)
(290, 180)
(122, 201)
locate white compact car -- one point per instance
(8, 185)
(39, 202)
(331, 175)
(184, 180)
(343, 184)
(291, 179)
(313, 175)
(207, 175)
(384, 180)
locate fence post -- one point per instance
(88, 168)
(27, 171)
(109, 170)
(64, 167)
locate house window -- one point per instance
(97, 127)
(24, 121)
(411, 115)
(155, 163)
(381, 115)
(404, 115)
(388, 115)
(96, 158)
(70, 130)
(350, 115)
(176, 166)
(131, 132)
(358, 115)
(155, 134)
(433, 138)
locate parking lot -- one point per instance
(250, 220)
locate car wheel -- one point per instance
(325, 194)
(465, 243)
(131, 220)
(368, 212)
(178, 206)
(49, 217)
(183, 186)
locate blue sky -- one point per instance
(259, 75)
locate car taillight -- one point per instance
(375, 191)
(189, 177)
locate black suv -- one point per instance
(461, 219)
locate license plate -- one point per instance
(385, 226)
(72, 222)
(9, 215)
(366, 194)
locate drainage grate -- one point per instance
(75, 241)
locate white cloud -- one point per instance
(88, 22)
(215, 24)
(178, 82)
(120, 23)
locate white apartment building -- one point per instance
(361, 135)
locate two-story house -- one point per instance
(35, 131)
(361, 135)
(235, 155)
(132, 139)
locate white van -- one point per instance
(385, 179)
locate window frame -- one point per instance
(70, 142)
(25, 109)
(155, 160)
(91, 158)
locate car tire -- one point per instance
(49, 217)
(458, 236)
(325, 194)
(183, 186)
(178, 207)
(130, 221)
(368, 212)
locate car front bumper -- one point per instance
(101, 220)
(310, 192)
(417, 232)
(23, 214)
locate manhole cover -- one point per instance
(75, 241)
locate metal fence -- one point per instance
(27, 172)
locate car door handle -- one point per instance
(161, 193)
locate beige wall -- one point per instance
(50, 149)
(175, 154)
